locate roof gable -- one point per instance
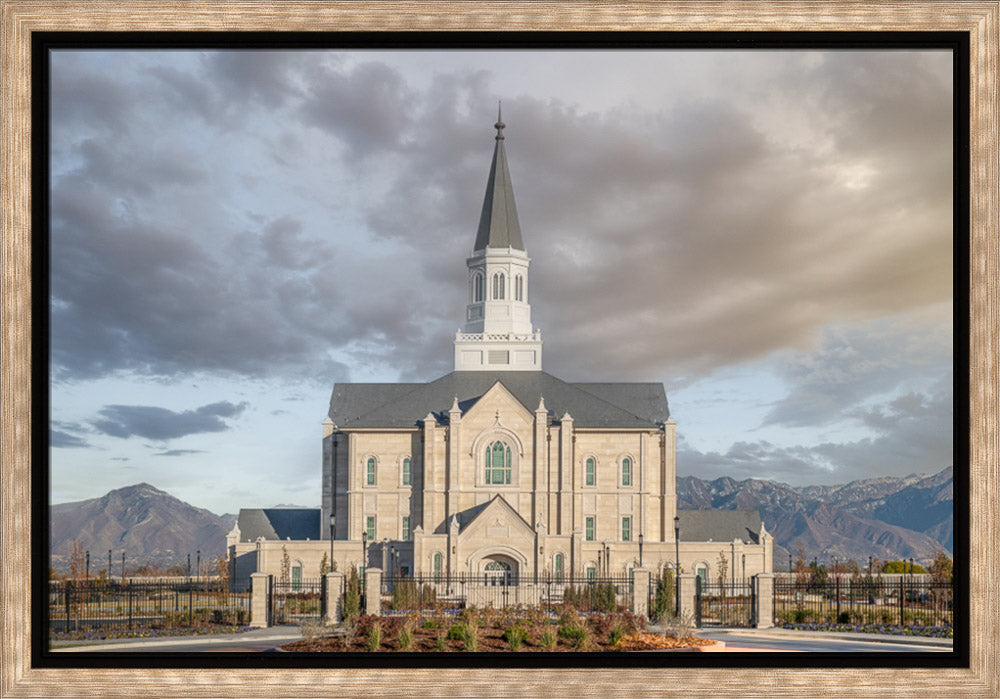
(497, 512)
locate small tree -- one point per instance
(324, 565)
(77, 565)
(941, 567)
(802, 573)
(286, 565)
(723, 566)
(222, 571)
(663, 602)
(352, 596)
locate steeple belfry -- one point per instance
(498, 335)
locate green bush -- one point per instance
(663, 601)
(405, 638)
(374, 639)
(576, 634)
(547, 639)
(515, 636)
(616, 634)
(352, 596)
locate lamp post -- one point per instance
(869, 566)
(677, 563)
(88, 566)
(789, 564)
(364, 551)
(392, 560)
(109, 565)
(189, 565)
(333, 526)
(744, 569)
(197, 570)
(640, 549)
(123, 566)
(385, 555)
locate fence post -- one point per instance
(640, 592)
(685, 594)
(258, 600)
(836, 591)
(335, 586)
(373, 591)
(764, 611)
(901, 602)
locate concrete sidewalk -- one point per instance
(833, 635)
(276, 636)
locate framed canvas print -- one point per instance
(607, 349)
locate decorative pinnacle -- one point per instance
(499, 125)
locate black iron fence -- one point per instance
(865, 601)
(79, 605)
(296, 601)
(401, 594)
(731, 604)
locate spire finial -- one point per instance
(499, 125)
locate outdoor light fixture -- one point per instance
(677, 563)
(640, 549)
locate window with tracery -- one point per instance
(498, 286)
(497, 464)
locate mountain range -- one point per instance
(888, 518)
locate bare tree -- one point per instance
(77, 567)
(286, 565)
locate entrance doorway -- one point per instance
(499, 571)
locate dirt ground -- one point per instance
(489, 639)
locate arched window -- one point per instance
(559, 567)
(370, 471)
(591, 468)
(437, 567)
(519, 288)
(497, 464)
(626, 471)
(477, 288)
(406, 471)
(498, 286)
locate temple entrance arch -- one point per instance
(498, 569)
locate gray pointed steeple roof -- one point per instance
(498, 226)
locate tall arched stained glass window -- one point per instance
(626, 471)
(406, 471)
(519, 288)
(590, 475)
(371, 471)
(497, 464)
(437, 566)
(559, 567)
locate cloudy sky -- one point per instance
(767, 233)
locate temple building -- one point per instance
(499, 468)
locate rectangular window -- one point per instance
(591, 574)
(589, 534)
(371, 471)
(591, 465)
(370, 526)
(406, 528)
(626, 529)
(626, 471)
(406, 471)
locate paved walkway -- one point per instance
(843, 635)
(257, 638)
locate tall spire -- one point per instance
(498, 226)
(498, 335)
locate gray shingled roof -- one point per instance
(719, 525)
(637, 405)
(296, 523)
(498, 226)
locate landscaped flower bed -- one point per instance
(491, 630)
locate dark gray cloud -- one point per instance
(161, 424)
(913, 433)
(64, 440)
(697, 223)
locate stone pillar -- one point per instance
(373, 591)
(686, 594)
(640, 592)
(259, 588)
(335, 587)
(764, 613)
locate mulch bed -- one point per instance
(489, 639)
